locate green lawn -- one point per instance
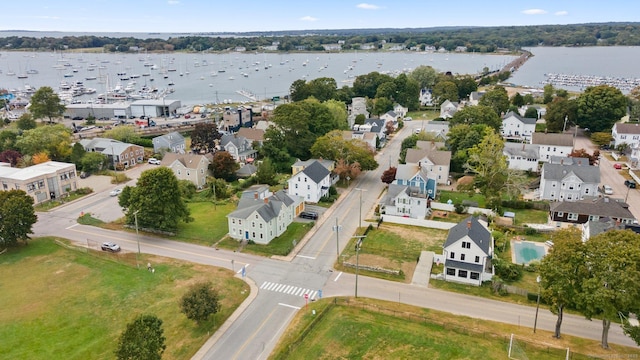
(529, 216)
(369, 329)
(209, 224)
(59, 303)
(281, 245)
(457, 197)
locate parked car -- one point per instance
(408, 118)
(311, 215)
(607, 190)
(115, 192)
(84, 175)
(109, 246)
(630, 184)
(154, 161)
(617, 166)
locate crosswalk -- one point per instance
(289, 289)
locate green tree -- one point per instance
(54, 140)
(559, 110)
(200, 302)
(497, 99)
(224, 166)
(156, 199)
(204, 137)
(425, 76)
(77, 152)
(266, 173)
(548, 92)
(143, 339)
(46, 103)
(599, 107)
(338, 111)
(460, 139)
(360, 118)
(517, 100)
(333, 146)
(92, 162)
(299, 90)
(26, 122)
(367, 85)
(124, 133)
(466, 85)
(445, 90)
(611, 286)
(8, 140)
(323, 88)
(17, 217)
(562, 271)
(472, 115)
(601, 138)
(407, 92)
(381, 105)
(531, 113)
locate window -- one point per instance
(239, 222)
(308, 187)
(452, 255)
(296, 187)
(260, 236)
(572, 216)
(256, 216)
(260, 225)
(253, 224)
(594, 217)
(188, 173)
(475, 276)
(477, 259)
(451, 271)
(233, 221)
(560, 214)
(253, 235)
(466, 245)
(462, 256)
(462, 273)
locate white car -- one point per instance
(154, 161)
(109, 246)
(607, 190)
(115, 192)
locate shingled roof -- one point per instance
(602, 207)
(474, 229)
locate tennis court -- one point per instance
(524, 252)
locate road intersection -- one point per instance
(253, 331)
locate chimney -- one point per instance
(255, 195)
(469, 224)
(266, 200)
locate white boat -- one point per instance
(90, 78)
(22, 76)
(32, 71)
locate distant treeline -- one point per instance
(475, 39)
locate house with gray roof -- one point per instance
(521, 156)
(565, 213)
(625, 133)
(467, 253)
(553, 144)
(119, 154)
(439, 129)
(435, 163)
(191, 167)
(312, 183)
(240, 148)
(516, 127)
(173, 142)
(405, 201)
(262, 216)
(561, 182)
(414, 176)
(448, 109)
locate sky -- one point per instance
(178, 16)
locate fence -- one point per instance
(418, 222)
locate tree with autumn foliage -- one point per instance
(333, 146)
(224, 166)
(40, 158)
(389, 175)
(10, 156)
(582, 153)
(347, 170)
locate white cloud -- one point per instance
(561, 13)
(173, 2)
(308, 18)
(366, 6)
(534, 12)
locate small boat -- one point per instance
(68, 75)
(32, 71)
(90, 78)
(22, 76)
(231, 78)
(171, 83)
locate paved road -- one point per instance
(282, 284)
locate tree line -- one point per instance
(475, 39)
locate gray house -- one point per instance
(562, 182)
(172, 141)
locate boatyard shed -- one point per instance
(99, 111)
(154, 107)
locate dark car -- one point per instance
(630, 184)
(311, 215)
(77, 118)
(84, 175)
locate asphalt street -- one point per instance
(281, 285)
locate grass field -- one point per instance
(370, 329)
(59, 303)
(529, 216)
(209, 223)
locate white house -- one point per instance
(439, 129)
(262, 216)
(553, 144)
(474, 97)
(426, 98)
(435, 163)
(400, 110)
(406, 201)
(312, 183)
(389, 116)
(467, 252)
(448, 109)
(368, 137)
(523, 157)
(624, 133)
(563, 182)
(517, 127)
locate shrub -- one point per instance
(530, 231)
(460, 209)
(507, 271)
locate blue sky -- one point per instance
(268, 15)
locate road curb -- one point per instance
(230, 320)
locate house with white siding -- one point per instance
(448, 109)
(516, 127)
(522, 156)
(553, 144)
(312, 183)
(467, 252)
(435, 163)
(191, 167)
(564, 182)
(625, 133)
(405, 201)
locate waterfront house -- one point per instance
(564, 182)
(46, 181)
(172, 142)
(240, 148)
(467, 252)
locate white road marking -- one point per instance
(338, 277)
(72, 226)
(306, 257)
(245, 269)
(289, 306)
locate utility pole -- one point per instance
(358, 245)
(135, 216)
(360, 218)
(337, 229)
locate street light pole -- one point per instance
(358, 245)
(337, 240)
(535, 323)
(135, 216)
(360, 218)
